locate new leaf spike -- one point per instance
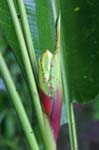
(50, 84)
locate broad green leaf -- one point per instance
(81, 52)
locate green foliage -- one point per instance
(20, 48)
(80, 38)
(45, 24)
(8, 28)
(81, 54)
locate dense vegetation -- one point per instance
(80, 58)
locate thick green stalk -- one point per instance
(29, 74)
(28, 38)
(18, 104)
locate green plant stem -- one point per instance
(18, 105)
(28, 38)
(30, 76)
(74, 128)
(69, 110)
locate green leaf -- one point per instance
(45, 25)
(6, 25)
(81, 51)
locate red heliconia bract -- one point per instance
(55, 114)
(53, 107)
(46, 102)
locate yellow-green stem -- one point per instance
(28, 38)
